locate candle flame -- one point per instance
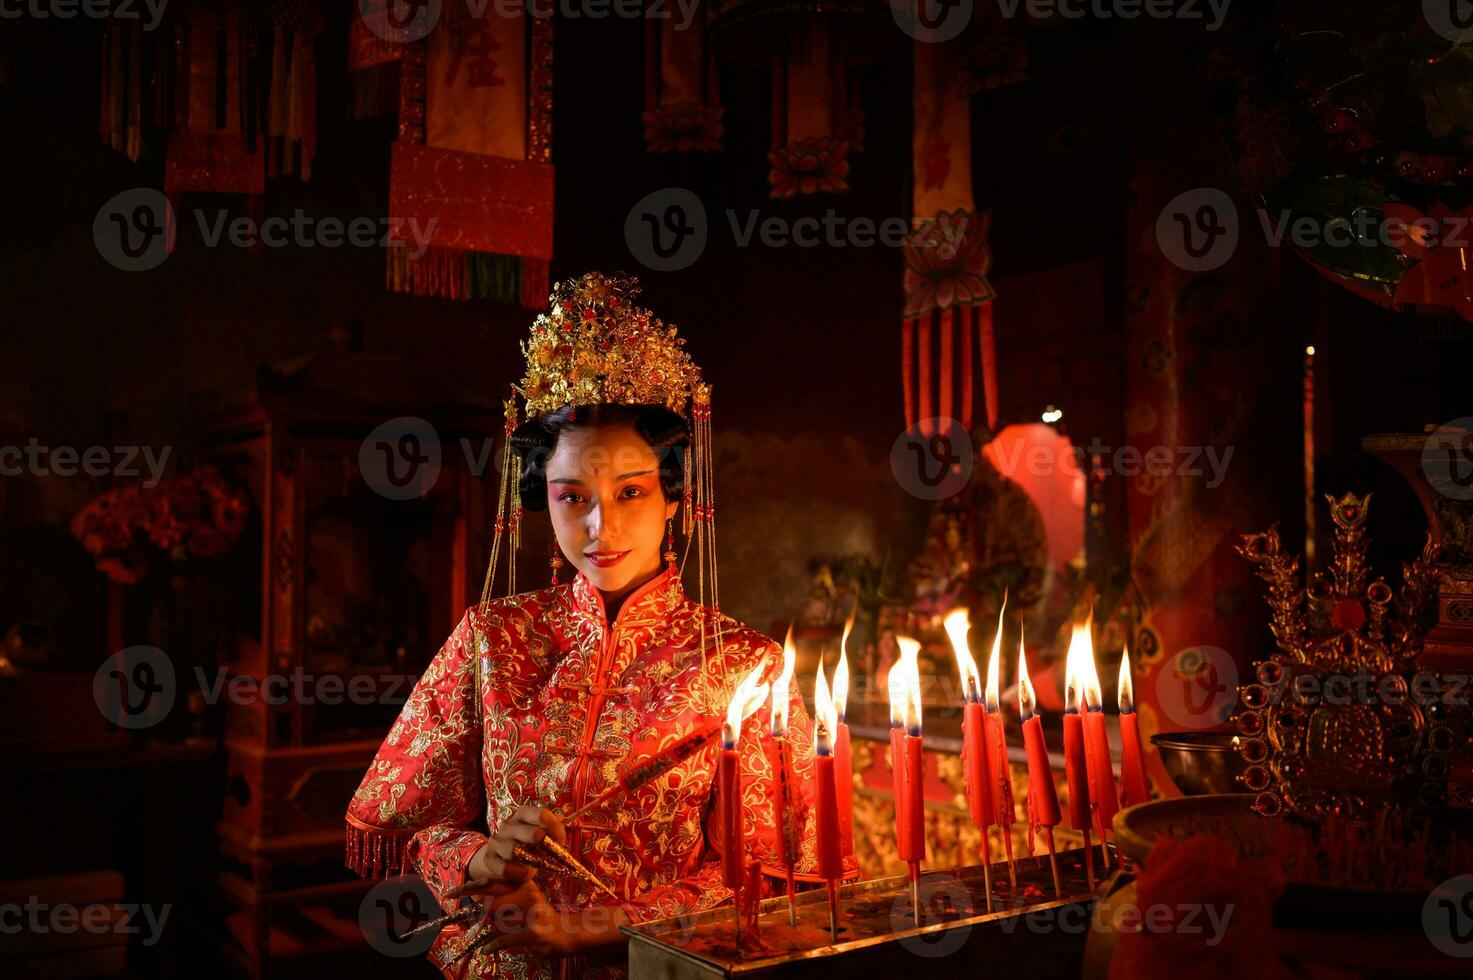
(745, 700)
(780, 688)
(1085, 682)
(1027, 699)
(825, 718)
(994, 699)
(957, 623)
(1081, 651)
(905, 687)
(1127, 690)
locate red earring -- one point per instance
(670, 543)
(556, 562)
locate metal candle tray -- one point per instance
(1034, 933)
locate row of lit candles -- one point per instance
(1093, 795)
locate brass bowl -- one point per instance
(1359, 931)
(1201, 762)
(1230, 814)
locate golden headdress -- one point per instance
(595, 346)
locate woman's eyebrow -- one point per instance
(625, 476)
(570, 480)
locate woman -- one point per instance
(538, 701)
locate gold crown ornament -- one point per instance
(1338, 722)
(596, 346)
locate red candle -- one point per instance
(998, 770)
(844, 784)
(1043, 799)
(731, 818)
(1101, 771)
(913, 844)
(1134, 787)
(828, 843)
(1102, 791)
(843, 767)
(745, 700)
(974, 765)
(906, 751)
(1076, 771)
(974, 725)
(781, 758)
(897, 777)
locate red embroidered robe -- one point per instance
(537, 699)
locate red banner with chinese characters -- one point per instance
(947, 333)
(471, 176)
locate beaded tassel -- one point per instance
(703, 515)
(508, 517)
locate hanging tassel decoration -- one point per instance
(946, 255)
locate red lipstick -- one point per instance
(605, 559)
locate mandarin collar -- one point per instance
(655, 599)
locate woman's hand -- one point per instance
(516, 908)
(522, 919)
(491, 866)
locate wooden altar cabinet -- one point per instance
(353, 593)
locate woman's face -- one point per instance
(608, 512)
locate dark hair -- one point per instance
(535, 439)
